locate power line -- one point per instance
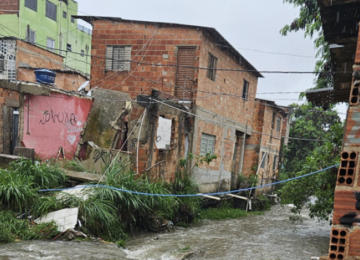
(195, 67)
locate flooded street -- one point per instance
(268, 237)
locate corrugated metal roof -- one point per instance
(211, 31)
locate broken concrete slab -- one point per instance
(64, 218)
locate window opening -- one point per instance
(118, 58)
(212, 64)
(30, 35)
(245, 93)
(51, 10)
(64, 14)
(207, 143)
(275, 163)
(263, 160)
(278, 124)
(31, 4)
(50, 44)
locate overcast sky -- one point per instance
(252, 27)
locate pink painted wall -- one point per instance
(54, 122)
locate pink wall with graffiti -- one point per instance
(54, 122)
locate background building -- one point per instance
(49, 24)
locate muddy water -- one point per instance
(267, 237)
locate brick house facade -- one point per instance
(184, 62)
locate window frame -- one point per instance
(48, 6)
(205, 138)
(47, 46)
(112, 62)
(212, 66)
(263, 162)
(30, 36)
(245, 90)
(278, 124)
(275, 163)
(29, 3)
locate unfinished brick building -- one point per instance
(340, 24)
(183, 63)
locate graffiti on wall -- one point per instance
(54, 122)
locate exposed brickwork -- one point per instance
(63, 80)
(228, 82)
(338, 242)
(11, 6)
(150, 44)
(33, 56)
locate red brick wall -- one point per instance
(228, 82)
(36, 57)
(160, 41)
(11, 6)
(66, 81)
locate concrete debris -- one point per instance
(78, 192)
(64, 218)
(71, 234)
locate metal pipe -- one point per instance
(209, 197)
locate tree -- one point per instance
(302, 157)
(309, 20)
(307, 122)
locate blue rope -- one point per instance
(190, 195)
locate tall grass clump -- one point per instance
(76, 165)
(20, 182)
(134, 208)
(44, 176)
(12, 228)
